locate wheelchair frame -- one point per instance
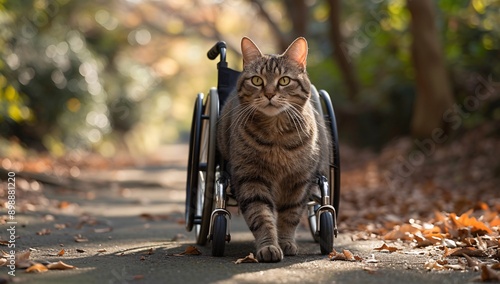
(207, 192)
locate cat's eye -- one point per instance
(284, 81)
(257, 81)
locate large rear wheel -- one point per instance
(207, 162)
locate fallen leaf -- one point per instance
(101, 250)
(61, 253)
(59, 266)
(344, 255)
(80, 239)
(433, 265)
(60, 226)
(488, 274)
(370, 269)
(43, 232)
(80, 250)
(247, 259)
(470, 251)
(386, 248)
(3, 261)
(190, 250)
(455, 266)
(23, 259)
(63, 204)
(471, 262)
(103, 230)
(37, 268)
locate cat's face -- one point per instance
(273, 84)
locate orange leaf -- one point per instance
(37, 267)
(59, 266)
(190, 250)
(386, 248)
(61, 253)
(247, 259)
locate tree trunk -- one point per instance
(337, 39)
(434, 94)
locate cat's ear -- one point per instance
(297, 51)
(249, 50)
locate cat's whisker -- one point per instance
(291, 116)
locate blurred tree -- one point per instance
(434, 94)
(340, 54)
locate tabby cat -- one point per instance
(273, 141)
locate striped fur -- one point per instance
(270, 136)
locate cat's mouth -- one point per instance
(271, 109)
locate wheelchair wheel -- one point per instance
(201, 166)
(207, 165)
(326, 232)
(327, 221)
(219, 235)
(193, 164)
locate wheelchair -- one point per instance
(208, 191)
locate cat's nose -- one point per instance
(269, 95)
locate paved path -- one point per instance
(132, 221)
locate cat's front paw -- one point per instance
(289, 247)
(269, 254)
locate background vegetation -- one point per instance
(122, 74)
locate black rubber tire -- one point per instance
(193, 164)
(326, 232)
(219, 235)
(208, 155)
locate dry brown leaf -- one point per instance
(190, 250)
(103, 230)
(63, 204)
(344, 255)
(80, 239)
(471, 262)
(386, 248)
(59, 266)
(370, 269)
(470, 251)
(455, 266)
(101, 250)
(61, 253)
(43, 232)
(4, 254)
(23, 259)
(247, 259)
(496, 266)
(433, 265)
(37, 268)
(488, 274)
(3, 261)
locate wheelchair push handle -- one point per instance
(219, 48)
